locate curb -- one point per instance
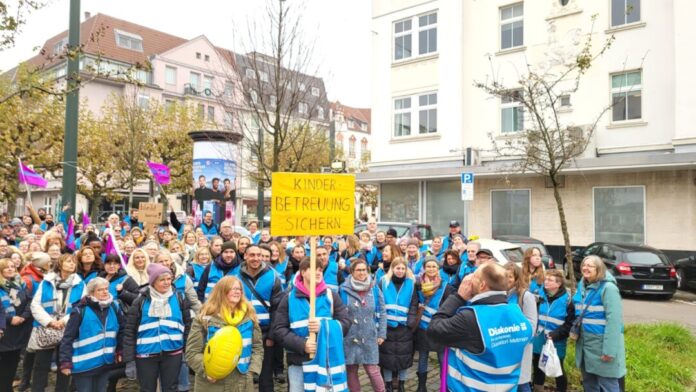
(684, 296)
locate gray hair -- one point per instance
(95, 284)
(599, 265)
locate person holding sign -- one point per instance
(486, 335)
(292, 324)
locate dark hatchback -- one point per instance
(686, 272)
(529, 242)
(638, 269)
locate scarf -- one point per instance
(235, 318)
(159, 306)
(366, 246)
(428, 286)
(103, 304)
(359, 286)
(450, 269)
(64, 284)
(299, 284)
(12, 287)
(398, 281)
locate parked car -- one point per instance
(241, 230)
(403, 229)
(529, 242)
(686, 272)
(638, 269)
(504, 252)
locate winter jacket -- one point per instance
(396, 353)
(276, 292)
(31, 276)
(17, 336)
(422, 341)
(203, 282)
(38, 309)
(360, 343)
(294, 344)
(590, 347)
(236, 381)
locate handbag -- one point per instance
(549, 362)
(576, 328)
(47, 337)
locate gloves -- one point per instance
(131, 372)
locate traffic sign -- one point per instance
(468, 186)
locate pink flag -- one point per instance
(112, 248)
(70, 235)
(29, 177)
(85, 220)
(160, 172)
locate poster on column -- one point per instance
(214, 175)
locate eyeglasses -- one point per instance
(360, 270)
(236, 289)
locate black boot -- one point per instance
(388, 386)
(422, 379)
(402, 386)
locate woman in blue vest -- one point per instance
(533, 272)
(51, 307)
(226, 306)
(412, 256)
(432, 291)
(599, 352)
(291, 324)
(556, 316)
(365, 305)
(156, 329)
(89, 264)
(389, 253)
(436, 249)
(15, 303)
(124, 290)
(519, 295)
(401, 303)
(450, 267)
(201, 259)
(181, 281)
(279, 262)
(137, 268)
(227, 263)
(91, 343)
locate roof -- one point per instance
(358, 115)
(97, 34)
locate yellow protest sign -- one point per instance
(312, 204)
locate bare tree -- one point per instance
(545, 144)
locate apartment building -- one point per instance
(635, 183)
(352, 127)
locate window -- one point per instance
(207, 84)
(625, 12)
(363, 126)
(201, 110)
(363, 148)
(302, 108)
(427, 33)
(250, 73)
(619, 214)
(129, 41)
(302, 87)
(510, 212)
(511, 26)
(207, 57)
(198, 55)
(320, 113)
(195, 80)
(351, 124)
(443, 203)
(170, 75)
(402, 39)
(143, 100)
(228, 120)
(211, 113)
(427, 113)
(60, 46)
(339, 142)
(228, 89)
(351, 147)
(399, 201)
(565, 101)
(254, 97)
(273, 101)
(169, 105)
(263, 76)
(48, 204)
(626, 96)
(315, 91)
(402, 116)
(511, 112)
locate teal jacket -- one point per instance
(590, 347)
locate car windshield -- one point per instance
(402, 230)
(513, 255)
(542, 248)
(645, 258)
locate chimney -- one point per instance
(87, 15)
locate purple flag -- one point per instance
(85, 220)
(160, 172)
(112, 248)
(70, 235)
(30, 177)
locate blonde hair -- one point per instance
(599, 265)
(527, 273)
(398, 261)
(218, 300)
(197, 255)
(140, 277)
(4, 263)
(352, 244)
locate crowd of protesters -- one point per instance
(72, 305)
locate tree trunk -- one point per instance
(566, 236)
(94, 208)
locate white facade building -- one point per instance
(637, 179)
(352, 127)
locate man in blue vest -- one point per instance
(332, 276)
(226, 263)
(262, 288)
(209, 227)
(486, 336)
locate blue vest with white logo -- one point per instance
(197, 273)
(327, 370)
(246, 329)
(298, 311)
(48, 299)
(505, 333)
(214, 276)
(431, 306)
(95, 345)
(331, 276)
(280, 269)
(595, 319)
(397, 303)
(116, 282)
(264, 286)
(551, 317)
(156, 335)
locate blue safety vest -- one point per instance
(10, 310)
(156, 335)
(327, 370)
(255, 238)
(379, 274)
(96, 343)
(246, 329)
(397, 303)
(298, 311)
(48, 300)
(431, 306)
(91, 275)
(197, 273)
(209, 232)
(280, 269)
(116, 282)
(214, 276)
(414, 265)
(331, 276)
(465, 269)
(551, 317)
(536, 288)
(505, 333)
(180, 284)
(264, 286)
(594, 320)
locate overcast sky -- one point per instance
(340, 31)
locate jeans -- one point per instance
(388, 375)
(183, 380)
(594, 383)
(372, 372)
(42, 366)
(164, 368)
(93, 383)
(295, 379)
(423, 360)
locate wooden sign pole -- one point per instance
(312, 285)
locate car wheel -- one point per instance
(681, 283)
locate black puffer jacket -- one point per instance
(423, 343)
(396, 353)
(203, 283)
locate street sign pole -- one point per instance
(71, 110)
(467, 196)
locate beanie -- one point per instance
(41, 260)
(154, 271)
(228, 245)
(392, 232)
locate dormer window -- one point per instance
(60, 46)
(129, 40)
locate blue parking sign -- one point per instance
(468, 186)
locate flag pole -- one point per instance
(312, 285)
(113, 241)
(26, 186)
